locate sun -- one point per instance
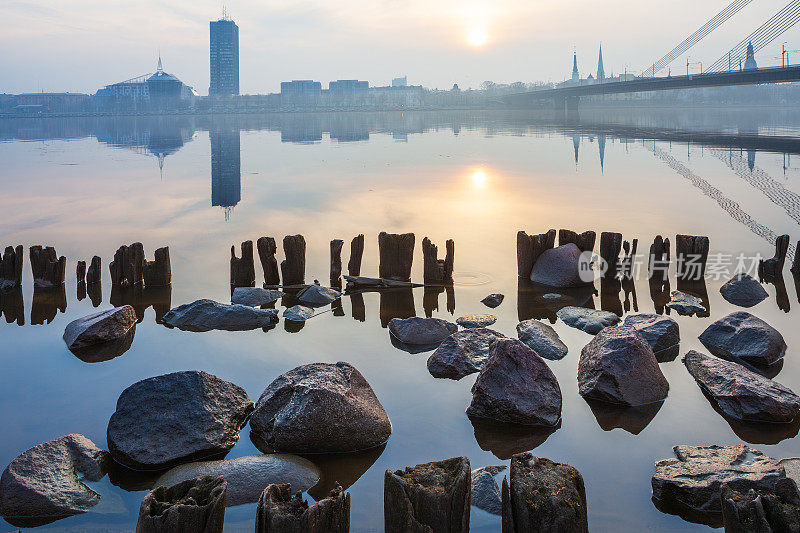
(479, 178)
(477, 37)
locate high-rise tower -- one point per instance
(224, 57)
(601, 73)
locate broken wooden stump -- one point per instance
(80, 271)
(11, 268)
(396, 254)
(584, 241)
(293, 268)
(610, 248)
(773, 267)
(437, 270)
(530, 247)
(94, 273)
(356, 252)
(281, 512)
(48, 269)
(691, 254)
(336, 259)
(128, 265)
(243, 269)
(796, 264)
(658, 262)
(266, 253)
(158, 273)
(196, 505)
(428, 497)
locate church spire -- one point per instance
(159, 68)
(575, 75)
(601, 73)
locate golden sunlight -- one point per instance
(479, 178)
(477, 37)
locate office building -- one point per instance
(224, 55)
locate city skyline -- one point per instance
(436, 47)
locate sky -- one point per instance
(82, 45)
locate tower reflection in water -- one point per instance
(226, 166)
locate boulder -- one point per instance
(542, 339)
(485, 491)
(743, 290)
(424, 331)
(516, 386)
(47, 480)
(255, 296)
(588, 320)
(685, 304)
(462, 353)
(320, 407)
(476, 321)
(317, 296)
(493, 300)
(280, 512)
(562, 267)
(99, 328)
(618, 366)
(661, 332)
(741, 336)
(176, 418)
(196, 505)
(298, 313)
(248, 476)
(207, 315)
(741, 393)
(544, 496)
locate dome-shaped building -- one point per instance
(164, 89)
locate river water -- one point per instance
(202, 184)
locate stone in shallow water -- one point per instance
(425, 331)
(207, 315)
(462, 353)
(741, 336)
(685, 304)
(317, 296)
(743, 290)
(298, 313)
(493, 300)
(741, 393)
(196, 505)
(476, 321)
(588, 320)
(542, 339)
(661, 332)
(485, 491)
(175, 418)
(100, 328)
(561, 267)
(255, 296)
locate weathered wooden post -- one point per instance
(796, 263)
(48, 269)
(336, 260)
(584, 241)
(280, 512)
(243, 270)
(437, 270)
(266, 253)
(128, 265)
(11, 268)
(658, 262)
(94, 272)
(610, 247)
(396, 255)
(196, 505)
(773, 268)
(530, 247)
(158, 273)
(691, 254)
(80, 271)
(356, 252)
(293, 268)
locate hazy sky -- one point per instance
(81, 45)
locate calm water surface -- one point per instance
(199, 185)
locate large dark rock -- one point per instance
(255, 296)
(618, 366)
(476, 321)
(100, 328)
(743, 290)
(317, 296)
(493, 300)
(542, 339)
(741, 336)
(588, 320)
(516, 386)
(562, 267)
(280, 512)
(462, 353)
(431, 497)
(485, 490)
(741, 393)
(424, 331)
(319, 408)
(176, 418)
(195, 505)
(661, 332)
(47, 480)
(544, 496)
(207, 315)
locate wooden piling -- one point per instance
(266, 254)
(396, 255)
(530, 247)
(293, 268)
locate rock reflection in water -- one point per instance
(396, 303)
(531, 301)
(13, 306)
(757, 432)
(504, 439)
(98, 353)
(342, 468)
(707, 518)
(632, 419)
(47, 303)
(140, 298)
(696, 288)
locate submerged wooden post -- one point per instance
(158, 273)
(437, 270)
(48, 269)
(128, 265)
(773, 268)
(94, 273)
(658, 263)
(336, 259)
(11, 268)
(293, 268)
(356, 252)
(243, 269)
(691, 254)
(530, 247)
(280, 512)
(266, 254)
(396, 254)
(584, 241)
(610, 247)
(196, 505)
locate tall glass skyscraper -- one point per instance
(224, 58)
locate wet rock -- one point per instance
(476, 321)
(661, 332)
(196, 505)
(248, 476)
(685, 304)
(356, 252)
(293, 268)
(754, 512)
(743, 290)
(44, 480)
(255, 296)
(462, 353)
(618, 366)
(544, 496)
(516, 386)
(741, 336)
(692, 480)
(317, 296)
(493, 300)
(542, 339)
(416, 330)
(298, 313)
(588, 320)
(530, 247)
(485, 491)
(176, 418)
(561, 267)
(266, 255)
(428, 497)
(319, 408)
(741, 393)
(280, 512)
(207, 315)
(100, 328)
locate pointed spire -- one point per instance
(575, 74)
(601, 73)
(159, 68)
